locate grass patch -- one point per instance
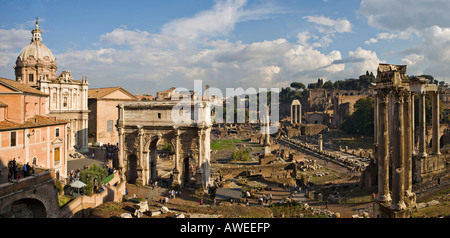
(64, 199)
(225, 144)
(110, 207)
(442, 209)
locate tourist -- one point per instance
(29, 169)
(25, 170)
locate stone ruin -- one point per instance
(394, 141)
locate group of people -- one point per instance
(172, 195)
(74, 175)
(110, 150)
(14, 170)
(264, 199)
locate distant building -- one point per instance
(36, 67)
(27, 133)
(103, 113)
(174, 94)
(145, 97)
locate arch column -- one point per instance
(199, 176)
(176, 170)
(140, 169)
(121, 153)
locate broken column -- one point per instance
(320, 142)
(296, 112)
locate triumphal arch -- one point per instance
(186, 125)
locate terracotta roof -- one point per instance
(35, 121)
(18, 86)
(97, 93)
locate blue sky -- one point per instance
(150, 46)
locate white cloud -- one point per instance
(340, 25)
(371, 41)
(219, 21)
(428, 20)
(125, 37)
(413, 60)
(369, 61)
(326, 28)
(401, 15)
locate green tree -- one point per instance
(94, 172)
(298, 85)
(328, 85)
(361, 121)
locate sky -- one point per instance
(150, 46)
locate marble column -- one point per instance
(200, 159)
(398, 153)
(121, 154)
(140, 168)
(422, 126)
(435, 119)
(292, 114)
(413, 126)
(295, 114)
(383, 146)
(176, 170)
(408, 148)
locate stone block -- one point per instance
(164, 209)
(155, 213)
(126, 215)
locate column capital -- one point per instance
(383, 95)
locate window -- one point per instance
(109, 126)
(13, 135)
(159, 115)
(57, 132)
(65, 102)
(31, 78)
(56, 154)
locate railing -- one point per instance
(23, 183)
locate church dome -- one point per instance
(36, 48)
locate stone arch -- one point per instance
(161, 163)
(142, 125)
(189, 170)
(28, 208)
(132, 165)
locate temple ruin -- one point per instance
(394, 139)
(296, 112)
